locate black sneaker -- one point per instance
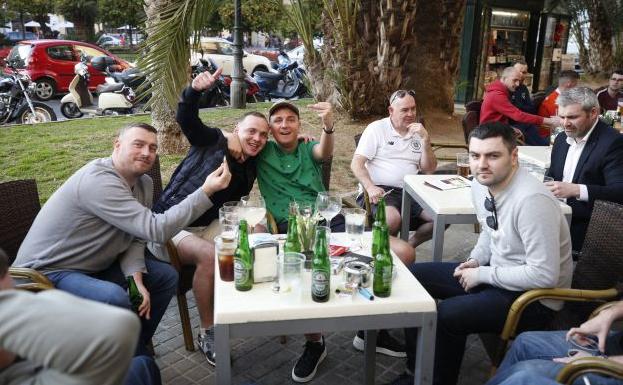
(206, 344)
(385, 344)
(403, 379)
(305, 368)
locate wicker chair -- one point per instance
(597, 278)
(19, 205)
(185, 272)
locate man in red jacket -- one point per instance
(497, 107)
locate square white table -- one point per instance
(445, 207)
(261, 312)
(537, 155)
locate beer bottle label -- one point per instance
(386, 275)
(241, 273)
(320, 283)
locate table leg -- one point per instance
(223, 356)
(369, 356)
(406, 219)
(439, 228)
(425, 350)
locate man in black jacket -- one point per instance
(208, 147)
(587, 162)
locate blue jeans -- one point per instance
(143, 371)
(482, 310)
(529, 361)
(110, 287)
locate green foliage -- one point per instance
(257, 15)
(32, 7)
(77, 9)
(305, 18)
(121, 12)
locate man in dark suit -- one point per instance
(587, 162)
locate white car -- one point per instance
(222, 51)
(297, 54)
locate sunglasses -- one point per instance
(492, 220)
(401, 94)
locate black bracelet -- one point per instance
(331, 131)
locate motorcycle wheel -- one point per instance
(43, 114)
(71, 110)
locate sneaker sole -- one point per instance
(359, 344)
(295, 378)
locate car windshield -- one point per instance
(19, 55)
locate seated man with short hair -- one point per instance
(388, 150)
(89, 237)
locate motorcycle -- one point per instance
(115, 97)
(288, 83)
(16, 104)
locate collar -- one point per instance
(394, 132)
(571, 141)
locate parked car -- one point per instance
(270, 53)
(297, 54)
(10, 39)
(105, 41)
(222, 51)
(16, 36)
(50, 64)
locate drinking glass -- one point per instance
(355, 219)
(225, 250)
(228, 221)
(253, 209)
(290, 272)
(462, 164)
(328, 205)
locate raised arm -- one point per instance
(324, 150)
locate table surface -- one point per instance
(261, 304)
(449, 202)
(539, 155)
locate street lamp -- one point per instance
(238, 86)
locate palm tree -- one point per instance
(172, 29)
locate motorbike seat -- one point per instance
(269, 75)
(109, 88)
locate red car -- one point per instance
(50, 64)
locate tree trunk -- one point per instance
(433, 62)
(170, 137)
(84, 28)
(599, 37)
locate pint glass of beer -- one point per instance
(224, 248)
(462, 164)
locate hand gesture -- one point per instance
(218, 179)
(374, 193)
(467, 274)
(470, 263)
(144, 310)
(598, 326)
(419, 130)
(552, 121)
(325, 112)
(235, 147)
(206, 80)
(563, 189)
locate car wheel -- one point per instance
(44, 89)
(259, 68)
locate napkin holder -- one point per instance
(265, 255)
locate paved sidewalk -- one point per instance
(265, 361)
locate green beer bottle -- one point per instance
(136, 298)
(379, 221)
(321, 267)
(293, 243)
(380, 212)
(383, 266)
(243, 260)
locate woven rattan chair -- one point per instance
(19, 205)
(186, 273)
(597, 278)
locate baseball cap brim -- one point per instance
(280, 105)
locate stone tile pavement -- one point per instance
(265, 361)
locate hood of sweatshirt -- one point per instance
(497, 87)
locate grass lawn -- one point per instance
(51, 152)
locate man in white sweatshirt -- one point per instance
(525, 244)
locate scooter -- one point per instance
(114, 97)
(288, 83)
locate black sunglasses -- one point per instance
(492, 220)
(401, 94)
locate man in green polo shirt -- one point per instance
(289, 169)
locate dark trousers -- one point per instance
(338, 225)
(459, 314)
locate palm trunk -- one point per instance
(170, 137)
(599, 37)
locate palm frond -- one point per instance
(169, 40)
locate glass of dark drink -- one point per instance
(224, 248)
(462, 164)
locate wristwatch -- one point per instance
(331, 131)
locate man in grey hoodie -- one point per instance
(89, 237)
(525, 244)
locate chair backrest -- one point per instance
(538, 98)
(600, 265)
(470, 120)
(156, 177)
(19, 205)
(325, 169)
